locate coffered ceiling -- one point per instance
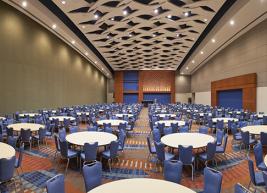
(141, 34)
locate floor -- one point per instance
(39, 165)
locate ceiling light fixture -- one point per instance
(83, 26)
(156, 11)
(108, 36)
(96, 16)
(187, 68)
(73, 42)
(205, 20)
(193, 61)
(54, 26)
(86, 53)
(232, 22)
(154, 35)
(112, 19)
(63, 2)
(182, 73)
(201, 52)
(125, 12)
(95, 62)
(186, 14)
(213, 40)
(24, 3)
(169, 16)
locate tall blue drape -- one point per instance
(231, 98)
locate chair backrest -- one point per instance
(149, 144)
(225, 140)
(106, 125)
(9, 131)
(220, 124)
(173, 171)
(90, 151)
(241, 189)
(114, 145)
(212, 180)
(156, 135)
(219, 136)
(161, 127)
(203, 130)
(62, 134)
(258, 153)
(211, 150)
(167, 130)
(122, 126)
(245, 137)
(185, 154)
(56, 184)
(7, 167)
(57, 143)
(25, 134)
(251, 171)
(12, 141)
(184, 129)
(174, 127)
(264, 120)
(73, 129)
(92, 175)
(263, 138)
(63, 148)
(42, 133)
(160, 151)
(108, 129)
(122, 138)
(264, 173)
(1, 138)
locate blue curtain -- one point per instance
(163, 98)
(130, 98)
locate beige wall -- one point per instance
(38, 70)
(247, 54)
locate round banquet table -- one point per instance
(260, 116)
(113, 122)
(265, 160)
(225, 119)
(164, 115)
(169, 122)
(255, 129)
(32, 126)
(52, 111)
(197, 140)
(61, 118)
(2, 118)
(7, 151)
(80, 138)
(202, 114)
(29, 114)
(80, 113)
(134, 185)
(120, 115)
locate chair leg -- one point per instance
(109, 164)
(67, 166)
(192, 167)
(249, 184)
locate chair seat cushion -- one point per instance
(203, 156)
(262, 166)
(82, 156)
(106, 154)
(72, 153)
(169, 156)
(259, 179)
(219, 149)
(48, 133)
(153, 150)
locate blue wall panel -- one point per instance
(231, 98)
(133, 86)
(130, 76)
(130, 98)
(163, 98)
(130, 81)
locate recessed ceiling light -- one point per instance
(213, 40)
(232, 22)
(125, 12)
(193, 61)
(86, 53)
(102, 68)
(112, 19)
(108, 36)
(130, 35)
(154, 35)
(178, 35)
(186, 14)
(83, 26)
(201, 52)
(54, 26)
(169, 16)
(24, 3)
(63, 2)
(205, 20)
(73, 42)
(156, 11)
(95, 62)
(182, 73)
(96, 16)
(187, 68)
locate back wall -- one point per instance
(38, 70)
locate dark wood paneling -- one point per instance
(118, 86)
(247, 83)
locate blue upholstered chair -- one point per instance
(161, 154)
(203, 130)
(167, 130)
(258, 153)
(7, 167)
(174, 127)
(12, 141)
(219, 137)
(90, 152)
(152, 149)
(94, 128)
(111, 153)
(26, 137)
(156, 135)
(41, 137)
(263, 138)
(62, 134)
(173, 171)
(184, 129)
(187, 158)
(209, 154)
(73, 129)
(108, 129)
(241, 189)
(256, 178)
(122, 139)
(67, 153)
(56, 184)
(212, 181)
(247, 141)
(220, 125)
(92, 175)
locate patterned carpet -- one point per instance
(39, 165)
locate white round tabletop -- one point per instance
(80, 113)
(120, 115)
(29, 114)
(7, 151)
(225, 119)
(265, 160)
(165, 115)
(261, 115)
(80, 138)
(61, 118)
(197, 140)
(169, 122)
(134, 185)
(255, 129)
(2, 118)
(32, 126)
(113, 122)
(202, 114)
(52, 111)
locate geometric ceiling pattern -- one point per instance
(141, 34)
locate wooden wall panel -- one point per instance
(118, 86)
(247, 83)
